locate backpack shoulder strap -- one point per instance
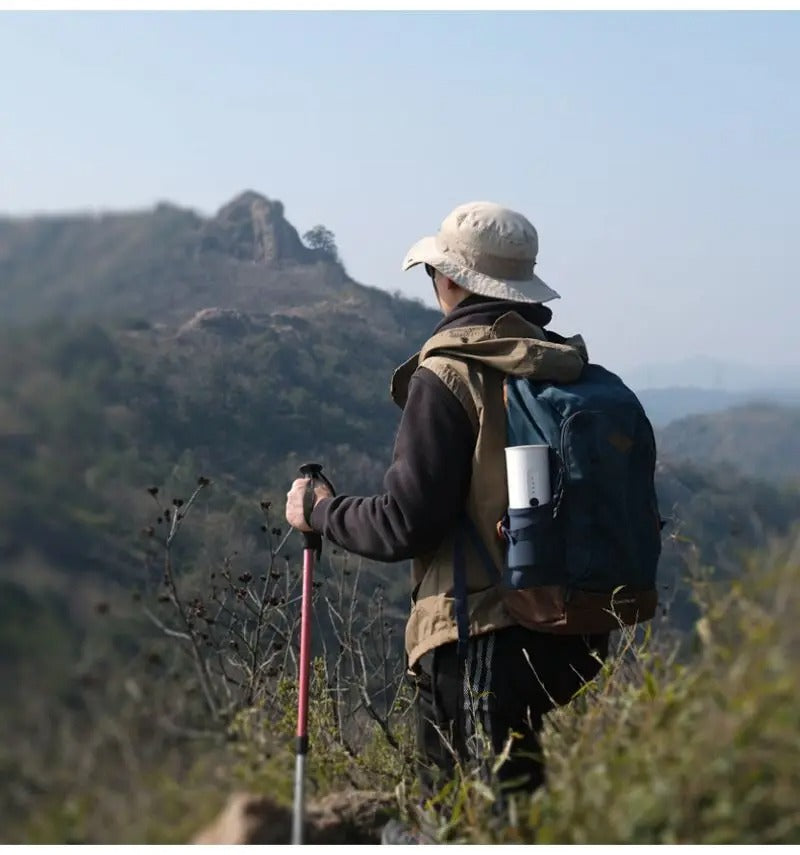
(466, 526)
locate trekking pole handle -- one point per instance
(313, 471)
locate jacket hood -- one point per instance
(511, 344)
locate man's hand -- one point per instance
(294, 502)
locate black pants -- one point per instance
(509, 679)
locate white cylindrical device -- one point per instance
(528, 473)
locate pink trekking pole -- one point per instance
(311, 550)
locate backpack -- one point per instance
(586, 561)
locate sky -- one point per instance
(658, 154)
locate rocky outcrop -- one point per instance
(253, 228)
(230, 323)
(350, 817)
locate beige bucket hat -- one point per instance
(486, 249)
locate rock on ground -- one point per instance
(354, 816)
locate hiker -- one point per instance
(449, 460)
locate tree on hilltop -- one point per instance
(322, 239)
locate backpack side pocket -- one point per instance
(534, 548)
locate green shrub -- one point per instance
(659, 751)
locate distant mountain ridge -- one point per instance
(166, 264)
(757, 440)
(671, 403)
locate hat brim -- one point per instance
(532, 290)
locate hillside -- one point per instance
(92, 415)
(759, 440)
(671, 403)
(164, 265)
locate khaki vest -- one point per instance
(472, 362)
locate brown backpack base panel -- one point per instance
(554, 608)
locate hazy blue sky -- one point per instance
(657, 154)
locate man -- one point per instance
(448, 463)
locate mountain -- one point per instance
(671, 403)
(758, 440)
(152, 349)
(136, 341)
(704, 385)
(165, 265)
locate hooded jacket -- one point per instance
(448, 460)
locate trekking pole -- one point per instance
(312, 549)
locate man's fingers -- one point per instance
(297, 484)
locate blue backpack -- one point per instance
(586, 561)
